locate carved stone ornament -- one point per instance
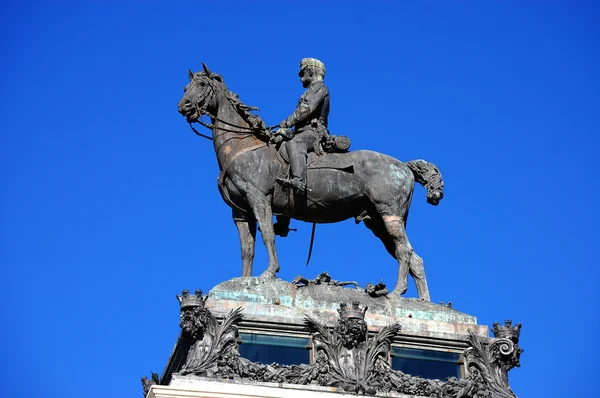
(147, 384)
(492, 363)
(350, 358)
(213, 352)
(322, 279)
(373, 290)
(345, 357)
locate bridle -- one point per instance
(201, 106)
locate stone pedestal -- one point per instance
(252, 337)
(279, 305)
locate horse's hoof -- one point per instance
(268, 275)
(395, 294)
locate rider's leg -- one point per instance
(297, 150)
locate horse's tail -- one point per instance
(428, 175)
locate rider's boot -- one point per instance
(298, 169)
(282, 226)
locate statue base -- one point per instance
(254, 337)
(271, 303)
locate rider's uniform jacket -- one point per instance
(313, 104)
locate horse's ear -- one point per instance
(206, 70)
(190, 74)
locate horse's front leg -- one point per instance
(246, 226)
(261, 207)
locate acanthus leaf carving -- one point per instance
(491, 362)
(213, 351)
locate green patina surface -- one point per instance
(436, 316)
(308, 304)
(281, 302)
(399, 173)
(251, 298)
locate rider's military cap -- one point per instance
(315, 63)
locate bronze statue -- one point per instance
(369, 186)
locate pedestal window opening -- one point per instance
(267, 349)
(426, 363)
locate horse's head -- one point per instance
(199, 93)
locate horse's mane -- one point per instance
(254, 121)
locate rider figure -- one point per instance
(309, 120)
(310, 123)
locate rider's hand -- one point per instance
(276, 139)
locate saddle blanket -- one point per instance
(337, 161)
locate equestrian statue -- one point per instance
(298, 170)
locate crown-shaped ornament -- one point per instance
(352, 312)
(187, 300)
(508, 331)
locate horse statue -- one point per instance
(366, 185)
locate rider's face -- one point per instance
(306, 77)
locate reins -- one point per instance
(199, 133)
(211, 126)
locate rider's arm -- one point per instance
(307, 105)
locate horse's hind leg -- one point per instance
(408, 260)
(246, 226)
(417, 271)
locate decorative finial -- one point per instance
(508, 331)
(186, 300)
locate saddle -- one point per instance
(332, 157)
(328, 160)
(290, 201)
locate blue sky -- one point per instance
(110, 205)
